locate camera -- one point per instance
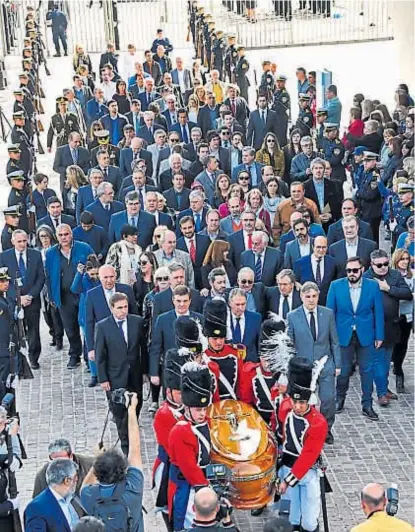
(118, 397)
(392, 494)
(219, 476)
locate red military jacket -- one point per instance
(256, 388)
(231, 365)
(165, 419)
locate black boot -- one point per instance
(400, 384)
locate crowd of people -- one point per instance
(212, 249)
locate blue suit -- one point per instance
(257, 129)
(144, 133)
(115, 127)
(102, 216)
(292, 253)
(313, 230)
(254, 182)
(40, 201)
(65, 219)
(146, 225)
(43, 513)
(113, 176)
(357, 332)
(335, 232)
(85, 197)
(178, 129)
(271, 265)
(96, 237)
(250, 338)
(304, 272)
(95, 111)
(146, 100)
(189, 212)
(126, 158)
(237, 242)
(202, 243)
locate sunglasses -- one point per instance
(246, 281)
(162, 278)
(226, 132)
(242, 178)
(352, 270)
(144, 263)
(271, 141)
(174, 140)
(381, 264)
(64, 234)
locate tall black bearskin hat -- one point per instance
(216, 315)
(173, 363)
(188, 333)
(276, 347)
(300, 374)
(196, 385)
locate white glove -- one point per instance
(15, 502)
(15, 465)
(392, 225)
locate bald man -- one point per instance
(373, 502)
(206, 507)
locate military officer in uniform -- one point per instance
(6, 324)
(20, 137)
(305, 116)
(282, 106)
(103, 138)
(18, 197)
(332, 150)
(13, 164)
(241, 70)
(209, 38)
(267, 83)
(368, 195)
(25, 104)
(406, 196)
(62, 124)
(231, 58)
(321, 117)
(11, 222)
(218, 51)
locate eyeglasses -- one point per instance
(134, 203)
(381, 264)
(162, 278)
(352, 270)
(246, 281)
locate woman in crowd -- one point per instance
(388, 134)
(85, 279)
(401, 261)
(200, 95)
(367, 108)
(92, 140)
(355, 126)
(198, 72)
(86, 77)
(124, 255)
(193, 108)
(145, 278)
(222, 188)
(385, 112)
(255, 202)
(217, 256)
(292, 149)
(75, 179)
(122, 97)
(272, 197)
(243, 179)
(409, 129)
(158, 233)
(235, 191)
(39, 196)
(271, 154)
(406, 240)
(394, 148)
(80, 57)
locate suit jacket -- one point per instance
(113, 177)
(44, 513)
(189, 212)
(273, 299)
(171, 199)
(333, 196)
(35, 275)
(250, 337)
(142, 97)
(96, 309)
(272, 264)
(126, 158)
(163, 302)
(236, 240)
(102, 216)
(258, 167)
(368, 319)
(146, 225)
(164, 219)
(63, 159)
(107, 123)
(257, 129)
(292, 253)
(164, 338)
(207, 184)
(40, 201)
(155, 156)
(339, 254)
(202, 245)
(191, 150)
(258, 292)
(221, 234)
(126, 189)
(204, 120)
(242, 110)
(187, 78)
(183, 258)
(335, 232)
(121, 364)
(95, 111)
(226, 225)
(145, 134)
(327, 342)
(178, 129)
(304, 272)
(65, 219)
(85, 197)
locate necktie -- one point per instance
(192, 250)
(198, 223)
(184, 135)
(22, 267)
(105, 172)
(133, 221)
(94, 193)
(248, 169)
(178, 199)
(237, 332)
(75, 156)
(56, 222)
(136, 124)
(141, 197)
(263, 117)
(318, 272)
(233, 107)
(107, 207)
(148, 98)
(258, 269)
(120, 324)
(313, 326)
(285, 307)
(249, 241)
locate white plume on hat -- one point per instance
(317, 369)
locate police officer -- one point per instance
(267, 83)
(11, 222)
(26, 82)
(282, 106)
(103, 138)
(6, 324)
(218, 50)
(332, 151)
(241, 70)
(231, 58)
(368, 195)
(21, 138)
(406, 197)
(13, 164)
(62, 124)
(25, 104)
(321, 117)
(305, 116)
(18, 196)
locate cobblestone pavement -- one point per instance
(57, 402)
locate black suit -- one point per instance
(121, 364)
(333, 196)
(242, 110)
(33, 280)
(163, 302)
(204, 119)
(257, 129)
(64, 219)
(273, 297)
(336, 233)
(339, 253)
(171, 199)
(272, 264)
(202, 243)
(191, 150)
(63, 159)
(166, 179)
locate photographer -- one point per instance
(8, 505)
(114, 485)
(208, 508)
(374, 506)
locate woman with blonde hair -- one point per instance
(75, 179)
(201, 96)
(193, 108)
(80, 57)
(401, 261)
(255, 202)
(217, 256)
(87, 78)
(271, 154)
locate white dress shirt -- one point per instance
(305, 249)
(64, 505)
(314, 266)
(308, 316)
(109, 89)
(187, 241)
(180, 75)
(289, 301)
(108, 294)
(17, 253)
(124, 329)
(355, 292)
(241, 324)
(351, 249)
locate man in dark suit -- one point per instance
(318, 267)
(133, 153)
(223, 155)
(177, 197)
(207, 115)
(212, 229)
(242, 240)
(55, 216)
(207, 177)
(110, 173)
(133, 215)
(284, 297)
(197, 211)
(183, 127)
(250, 166)
(121, 355)
(266, 262)
(151, 204)
(45, 512)
(97, 304)
(69, 154)
(134, 116)
(197, 165)
(351, 246)
(335, 233)
(88, 193)
(371, 139)
(149, 94)
(104, 206)
(301, 246)
(238, 106)
(25, 265)
(255, 292)
(194, 244)
(195, 140)
(164, 331)
(114, 122)
(147, 130)
(325, 194)
(96, 108)
(261, 122)
(244, 325)
(139, 185)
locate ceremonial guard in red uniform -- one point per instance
(189, 445)
(227, 356)
(304, 431)
(170, 412)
